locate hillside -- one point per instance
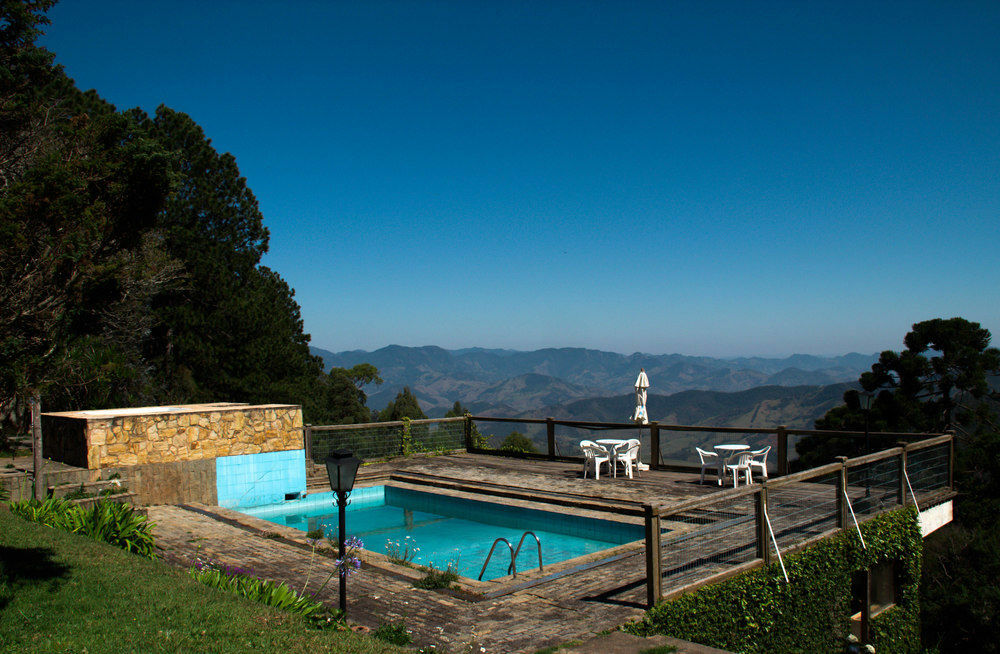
(506, 381)
(764, 406)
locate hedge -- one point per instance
(758, 612)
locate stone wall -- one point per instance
(185, 433)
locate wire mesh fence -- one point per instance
(728, 532)
(801, 510)
(568, 438)
(677, 447)
(928, 468)
(699, 543)
(874, 487)
(379, 442)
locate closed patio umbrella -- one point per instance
(641, 384)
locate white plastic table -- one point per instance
(728, 451)
(612, 444)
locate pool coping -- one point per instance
(464, 588)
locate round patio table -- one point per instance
(728, 451)
(612, 444)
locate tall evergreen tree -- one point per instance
(930, 386)
(344, 401)
(234, 332)
(404, 406)
(79, 184)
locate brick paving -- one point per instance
(573, 607)
(569, 608)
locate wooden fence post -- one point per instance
(651, 518)
(467, 425)
(902, 475)
(842, 493)
(951, 459)
(550, 432)
(760, 507)
(307, 437)
(35, 402)
(654, 445)
(782, 450)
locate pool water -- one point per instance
(452, 530)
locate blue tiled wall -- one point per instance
(255, 479)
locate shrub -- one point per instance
(394, 633)
(259, 590)
(437, 578)
(77, 494)
(518, 442)
(111, 522)
(401, 552)
(50, 512)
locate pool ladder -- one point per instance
(512, 568)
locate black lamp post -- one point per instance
(865, 401)
(342, 468)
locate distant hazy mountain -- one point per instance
(505, 382)
(764, 406)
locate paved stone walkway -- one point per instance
(569, 608)
(573, 607)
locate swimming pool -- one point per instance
(452, 530)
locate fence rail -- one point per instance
(692, 542)
(653, 438)
(379, 441)
(707, 538)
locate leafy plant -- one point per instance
(78, 493)
(758, 612)
(394, 633)
(112, 522)
(518, 442)
(346, 566)
(407, 437)
(258, 590)
(50, 511)
(401, 552)
(114, 490)
(437, 578)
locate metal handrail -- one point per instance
(509, 568)
(518, 550)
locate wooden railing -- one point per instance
(739, 529)
(712, 537)
(781, 434)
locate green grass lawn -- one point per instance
(60, 592)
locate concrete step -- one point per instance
(619, 642)
(90, 487)
(124, 498)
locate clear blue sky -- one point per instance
(719, 178)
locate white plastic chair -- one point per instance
(758, 459)
(628, 455)
(740, 462)
(595, 455)
(710, 460)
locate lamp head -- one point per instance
(342, 468)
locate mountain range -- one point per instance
(593, 384)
